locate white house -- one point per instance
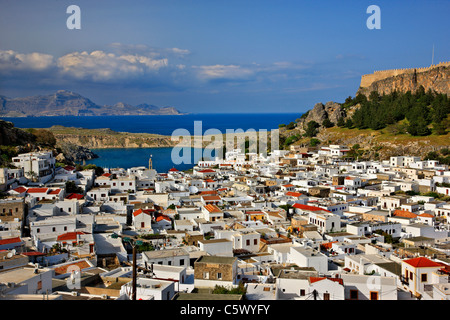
(369, 287)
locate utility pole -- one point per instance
(133, 294)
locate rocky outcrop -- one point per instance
(320, 112)
(74, 153)
(384, 82)
(66, 103)
(10, 135)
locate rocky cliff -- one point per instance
(435, 78)
(12, 136)
(332, 111)
(66, 103)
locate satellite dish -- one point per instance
(13, 251)
(193, 189)
(9, 255)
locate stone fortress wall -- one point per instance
(368, 79)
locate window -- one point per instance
(302, 292)
(373, 295)
(38, 230)
(65, 228)
(206, 275)
(248, 242)
(181, 262)
(326, 296)
(255, 242)
(53, 229)
(219, 276)
(423, 277)
(354, 294)
(411, 275)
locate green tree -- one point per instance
(311, 129)
(327, 123)
(71, 187)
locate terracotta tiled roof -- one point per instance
(308, 208)
(426, 215)
(20, 189)
(212, 208)
(404, 213)
(37, 190)
(63, 269)
(56, 191)
(146, 211)
(75, 196)
(315, 279)
(206, 171)
(70, 236)
(160, 217)
(10, 240)
(211, 198)
(293, 194)
(422, 262)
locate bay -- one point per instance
(137, 157)
(158, 124)
(162, 124)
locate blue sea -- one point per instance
(164, 124)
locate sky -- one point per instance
(214, 56)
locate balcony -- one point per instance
(404, 280)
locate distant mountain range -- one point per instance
(67, 103)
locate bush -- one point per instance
(327, 123)
(314, 142)
(311, 129)
(44, 137)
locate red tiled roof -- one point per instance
(293, 194)
(404, 213)
(69, 168)
(206, 171)
(33, 253)
(106, 174)
(173, 170)
(56, 191)
(422, 262)
(308, 208)
(63, 269)
(327, 245)
(209, 192)
(10, 240)
(75, 196)
(426, 215)
(212, 208)
(214, 198)
(315, 279)
(69, 236)
(20, 189)
(37, 190)
(209, 180)
(160, 217)
(146, 211)
(288, 185)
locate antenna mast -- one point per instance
(432, 56)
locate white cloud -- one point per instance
(102, 66)
(218, 71)
(14, 61)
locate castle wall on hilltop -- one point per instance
(368, 79)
